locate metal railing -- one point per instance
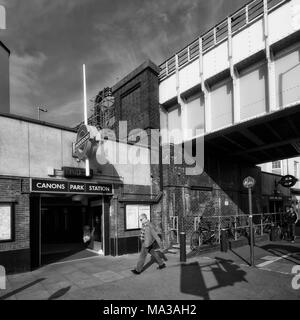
(239, 20)
(238, 225)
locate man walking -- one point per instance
(150, 241)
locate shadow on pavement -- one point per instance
(73, 254)
(240, 257)
(225, 272)
(283, 249)
(59, 293)
(8, 295)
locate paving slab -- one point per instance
(54, 287)
(214, 275)
(88, 283)
(35, 295)
(77, 275)
(108, 276)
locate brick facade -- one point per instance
(136, 101)
(15, 255)
(11, 192)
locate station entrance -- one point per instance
(59, 224)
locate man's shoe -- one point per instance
(135, 272)
(292, 241)
(162, 266)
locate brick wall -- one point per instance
(136, 98)
(136, 101)
(217, 191)
(11, 191)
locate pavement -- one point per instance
(211, 276)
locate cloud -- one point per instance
(43, 6)
(24, 81)
(50, 40)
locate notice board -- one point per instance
(132, 215)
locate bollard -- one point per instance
(224, 241)
(182, 239)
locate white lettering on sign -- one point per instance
(65, 187)
(99, 188)
(53, 186)
(82, 141)
(77, 187)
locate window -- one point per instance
(276, 167)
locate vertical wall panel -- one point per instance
(167, 89)
(189, 76)
(287, 66)
(174, 118)
(222, 104)
(253, 91)
(195, 115)
(280, 30)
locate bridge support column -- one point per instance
(272, 86)
(183, 107)
(207, 95)
(236, 112)
(236, 99)
(271, 104)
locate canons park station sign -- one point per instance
(54, 186)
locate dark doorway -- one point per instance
(62, 223)
(57, 227)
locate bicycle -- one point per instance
(203, 235)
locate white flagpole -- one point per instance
(2, 17)
(87, 162)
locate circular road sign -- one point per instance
(249, 182)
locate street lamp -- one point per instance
(39, 110)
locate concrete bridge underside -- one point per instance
(268, 138)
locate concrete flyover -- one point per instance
(274, 136)
(237, 85)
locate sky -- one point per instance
(49, 41)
